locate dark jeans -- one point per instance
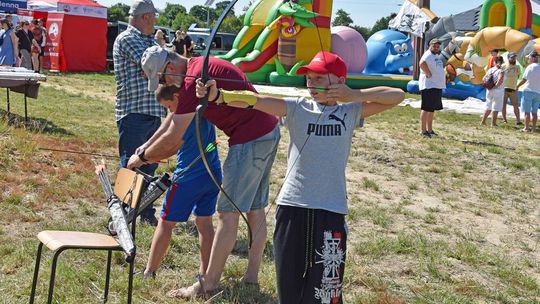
(133, 131)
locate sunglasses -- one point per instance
(162, 77)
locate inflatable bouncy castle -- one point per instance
(280, 36)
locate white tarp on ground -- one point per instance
(468, 106)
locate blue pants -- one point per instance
(133, 131)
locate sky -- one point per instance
(362, 12)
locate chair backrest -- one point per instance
(128, 186)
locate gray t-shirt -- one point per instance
(316, 179)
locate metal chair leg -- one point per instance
(53, 274)
(107, 276)
(25, 105)
(36, 273)
(130, 279)
(7, 96)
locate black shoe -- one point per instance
(519, 123)
(425, 134)
(432, 133)
(152, 220)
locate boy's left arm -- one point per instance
(242, 99)
(375, 99)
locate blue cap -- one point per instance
(512, 54)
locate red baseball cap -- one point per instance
(325, 63)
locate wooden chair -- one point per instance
(128, 187)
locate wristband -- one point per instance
(217, 96)
(141, 155)
(244, 96)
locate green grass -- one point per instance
(452, 219)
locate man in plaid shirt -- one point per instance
(138, 114)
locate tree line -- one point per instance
(177, 17)
(344, 18)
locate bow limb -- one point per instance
(203, 103)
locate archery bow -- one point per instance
(318, 88)
(203, 103)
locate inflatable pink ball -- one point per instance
(348, 44)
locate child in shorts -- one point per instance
(193, 190)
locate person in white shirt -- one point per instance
(495, 95)
(530, 100)
(431, 83)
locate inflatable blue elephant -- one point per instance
(389, 52)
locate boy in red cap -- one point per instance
(310, 235)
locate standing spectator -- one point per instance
(25, 44)
(431, 82)
(9, 50)
(160, 38)
(179, 44)
(189, 44)
(511, 75)
(138, 114)
(491, 61)
(494, 96)
(36, 46)
(530, 100)
(43, 42)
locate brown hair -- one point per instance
(166, 92)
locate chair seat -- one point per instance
(55, 240)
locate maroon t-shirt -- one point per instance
(241, 125)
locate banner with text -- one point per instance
(53, 47)
(11, 6)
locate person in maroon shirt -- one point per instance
(253, 140)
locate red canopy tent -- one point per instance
(76, 34)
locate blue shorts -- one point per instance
(197, 196)
(530, 101)
(246, 173)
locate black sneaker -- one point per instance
(425, 134)
(152, 221)
(432, 133)
(519, 123)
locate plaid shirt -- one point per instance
(132, 95)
